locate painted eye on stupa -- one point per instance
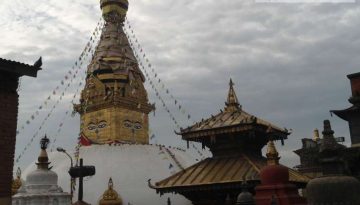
(127, 124)
(102, 124)
(137, 125)
(91, 126)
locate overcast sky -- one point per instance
(288, 61)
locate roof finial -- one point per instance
(316, 135)
(232, 103)
(272, 154)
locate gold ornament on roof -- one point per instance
(272, 154)
(316, 135)
(232, 103)
(16, 183)
(110, 196)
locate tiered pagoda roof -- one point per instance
(232, 119)
(217, 172)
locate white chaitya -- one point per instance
(40, 187)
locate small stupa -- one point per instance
(41, 186)
(275, 186)
(110, 196)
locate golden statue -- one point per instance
(16, 183)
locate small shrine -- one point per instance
(334, 187)
(308, 153)
(235, 139)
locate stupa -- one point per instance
(114, 128)
(41, 185)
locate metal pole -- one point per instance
(59, 149)
(71, 179)
(80, 196)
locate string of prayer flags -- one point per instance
(54, 92)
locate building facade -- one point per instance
(10, 72)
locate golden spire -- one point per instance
(232, 103)
(316, 135)
(16, 183)
(110, 196)
(272, 154)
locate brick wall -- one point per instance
(8, 121)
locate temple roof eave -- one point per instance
(344, 114)
(190, 135)
(203, 187)
(213, 174)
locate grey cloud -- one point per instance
(288, 61)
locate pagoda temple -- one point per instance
(114, 89)
(352, 116)
(235, 139)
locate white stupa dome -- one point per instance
(41, 187)
(41, 180)
(129, 166)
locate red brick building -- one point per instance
(10, 71)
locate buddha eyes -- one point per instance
(132, 125)
(127, 124)
(137, 125)
(100, 125)
(91, 126)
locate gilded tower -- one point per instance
(114, 105)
